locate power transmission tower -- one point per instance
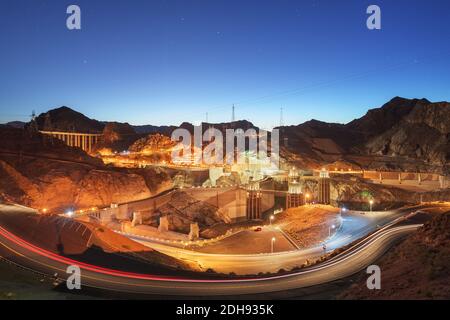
(233, 115)
(281, 117)
(33, 127)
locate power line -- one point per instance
(328, 83)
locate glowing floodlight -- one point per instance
(70, 213)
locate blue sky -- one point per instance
(164, 62)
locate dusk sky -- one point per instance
(165, 62)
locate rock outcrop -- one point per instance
(355, 193)
(47, 184)
(183, 210)
(153, 143)
(422, 134)
(117, 137)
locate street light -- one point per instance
(70, 213)
(329, 230)
(272, 217)
(371, 204)
(271, 243)
(307, 197)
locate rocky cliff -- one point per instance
(418, 268)
(424, 133)
(43, 172)
(355, 193)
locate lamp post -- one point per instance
(271, 244)
(329, 230)
(272, 217)
(371, 204)
(307, 198)
(342, 210)
(70, 213)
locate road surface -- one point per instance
(354, 226)
(346, 264)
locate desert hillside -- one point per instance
(418, 268)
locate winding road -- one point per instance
(354, 226)
(345, 264)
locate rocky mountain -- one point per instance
(149, 129)
(16, 124)
(118, 136)
(67, 120)
(403, 134)
(167, 130)
(379, 120)
(402, 129)
(424, 133)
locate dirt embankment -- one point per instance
(309, 225)
(418, 268)
(89, 243)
